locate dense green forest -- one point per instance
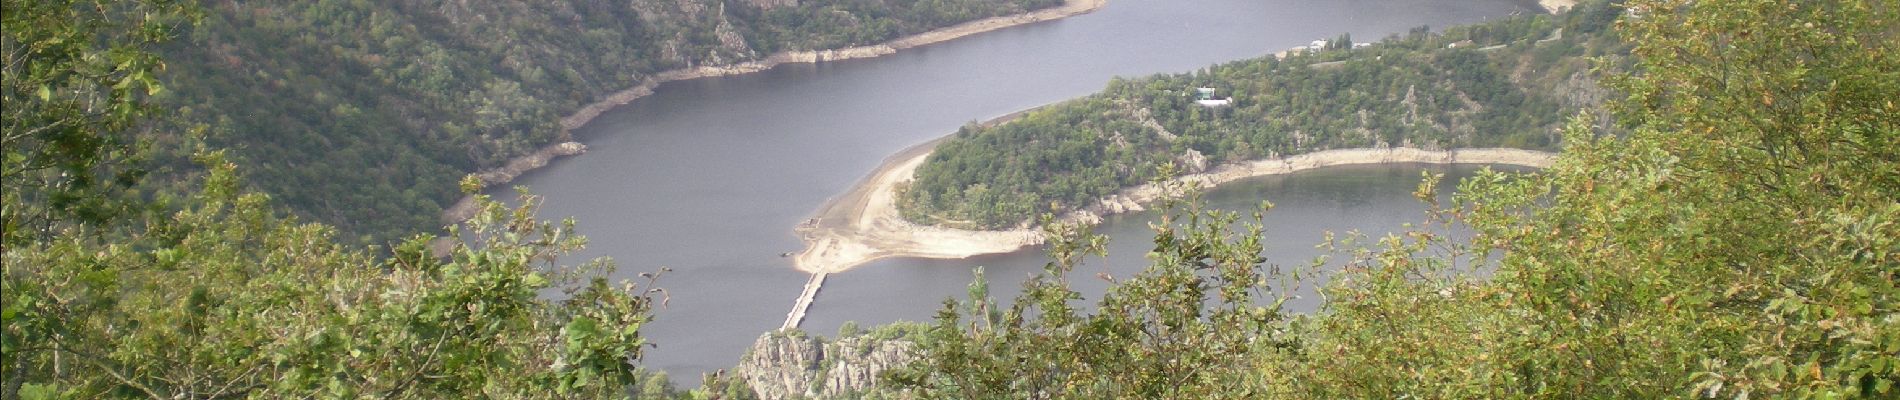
(1727, 230)
(1506, 83)
(365, 114)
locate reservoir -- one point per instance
(708, 177)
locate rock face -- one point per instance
(791, 365)
(1192, 161)
(860, 360)
(1117, 204)
(770, 4)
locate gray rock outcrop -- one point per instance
(795, 365)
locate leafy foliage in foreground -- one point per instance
(1188, 327)
(109, 294)
(76, 73)
(224, 300)
(1742, 240)
(1506, 83)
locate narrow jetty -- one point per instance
(792, 319)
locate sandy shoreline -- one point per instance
(1556, 6)
(863, 224)
(465, 207)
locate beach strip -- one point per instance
(863, 224)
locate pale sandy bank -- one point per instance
(465, 208)
(863, 224)
(1556, 6)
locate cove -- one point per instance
(707, 177)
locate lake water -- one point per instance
(708, 177)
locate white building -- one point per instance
(1205, 97)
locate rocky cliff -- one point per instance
(793, 364)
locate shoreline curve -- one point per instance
(863, 224)
(464, 208)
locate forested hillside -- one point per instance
(1507, 83)
(364, 114)
(1727, 230)
(111, 293)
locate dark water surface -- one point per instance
(708, 177)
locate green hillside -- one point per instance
(365, 114)
(1725, 229)
(1508, 83)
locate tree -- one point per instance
(849, 328)
(1153, 336)
(112, 296)
(224, 299)
(1742, 238)
(75, 79)
(1736, 236)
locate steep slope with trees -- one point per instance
(365, 114)
(1732, 235)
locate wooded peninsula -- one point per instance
(1507, 83)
